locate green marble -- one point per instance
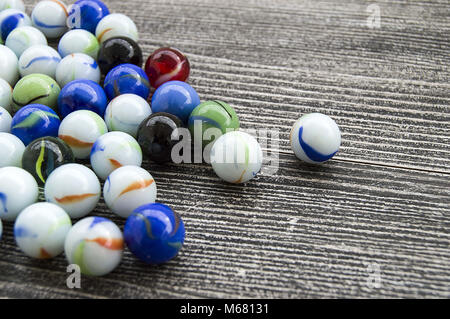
(36, 89)
(214, 114)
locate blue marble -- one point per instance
(127, 78)
(82, 95)
(154, 233)
(86, 14)
(177, 98)
(34, 121)
(12, 21)
(311, 152)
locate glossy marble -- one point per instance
(91, 238)
(155, 136)
(41, 229)
(23, 38)
(50, 17)
(9, 70)
(80, 130)
(43, 155)
(236, 157)
(36, 89)
(5, 120)
(154, 233)
(127, 188)
(119, 50)
(18, 190)
(113, 150)
(210, 120)
(167, 64)
(82, 95)
(11, 150)
(73, 187)
(126, 112)
(86, 14)
(78, 41)
(116, 25)
(11, 19)
(39, 59)
(34, 121)
(77, 66)
(315, 138)
(177, 98)
(126, 78)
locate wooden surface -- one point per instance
(378, 213)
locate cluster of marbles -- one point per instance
(43, 155)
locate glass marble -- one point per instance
(155, 136)
(11, 150)
(5, 121)
(95, 244)
(42, 156)
(236, 157)
(18, 190)
(118, 50)
(315, 138)
(36, 89)
(86, 14)
(82, 95)
(9, 70)
(11, 19)
(212, 115)
(154, 233)
(77, 66)
(73, 187)
(34, 121)
(126, 112)
(126, 78)
(80, 130)
(5, 95)
(127, 188)
(177, 98)
(78, 41)
(167, 64)
(116, 25)
(50, 17)
(12, 4)
(41, 229)
(113, 150)
(39, 59)
(23, 38)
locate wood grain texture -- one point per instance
(305, 232)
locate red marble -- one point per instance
(166, 64)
